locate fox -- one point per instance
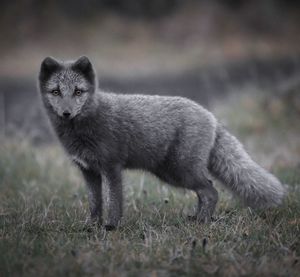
(174, 138)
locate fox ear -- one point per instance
(48, 66)
(84, 66)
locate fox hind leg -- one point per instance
(200, 183)
(207, 201)
(207, 195)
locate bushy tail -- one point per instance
(230, 163)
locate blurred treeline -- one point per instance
(23, 19)
(79, 9)
(264, 11)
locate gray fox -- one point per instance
(174, 138)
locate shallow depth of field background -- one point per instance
(238, 58)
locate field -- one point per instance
(43, 208)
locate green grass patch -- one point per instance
(43, 208)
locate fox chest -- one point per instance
(84, 151)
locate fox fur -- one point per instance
(174, 138)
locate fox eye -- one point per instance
(55, 92)
(78, 92)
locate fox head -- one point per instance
(67, 88)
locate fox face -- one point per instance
(66, 88)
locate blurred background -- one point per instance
(232, 56)
(238, 58)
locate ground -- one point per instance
(43, 207)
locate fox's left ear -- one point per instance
(85, 67)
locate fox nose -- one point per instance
(66, 114)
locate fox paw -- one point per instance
(91, 223)
(110, 227)
(200, 218)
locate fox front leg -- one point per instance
(115, 204)
(94, 185)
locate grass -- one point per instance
(43, 207)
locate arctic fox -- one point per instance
(172, 137)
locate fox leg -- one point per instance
(115, 205)
(207, 195)
(199, 183)
(207, 200)
(94, 185)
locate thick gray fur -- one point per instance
(174, 138)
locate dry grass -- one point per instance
(43, 207)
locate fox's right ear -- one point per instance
(85, 67)
(48, 66)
